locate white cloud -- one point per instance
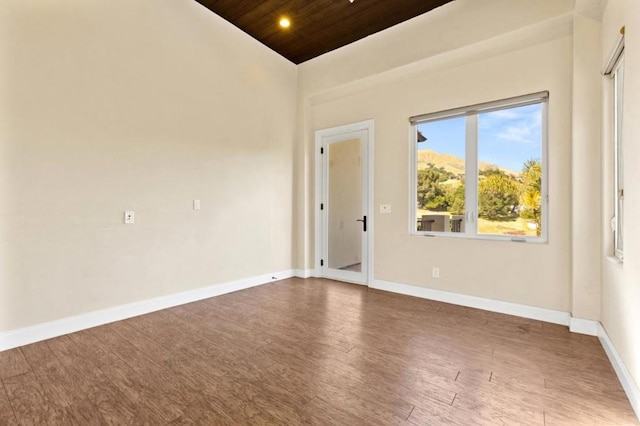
(521, 125)
(522, 132)
(505, 114)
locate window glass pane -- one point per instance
(510, 171)
(440, 175)
(345, 205)
(619, 174)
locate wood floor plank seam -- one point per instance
(30, 402)
(414, 407)
(127, 388)
(12, 363)
(13, 411)
(52, 384)
(106, 404)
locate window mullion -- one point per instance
(471, 175)
(413, 156)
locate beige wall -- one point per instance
(489, 66)
(450, 27)
(532, 274)
(459, 32)
(621, 282)
(586, 200)
(143, 105)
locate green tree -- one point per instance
(443, 174)
(498, 195)
(431, 195)
(530, 194)
(456, 199)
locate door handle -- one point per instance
(364, 223)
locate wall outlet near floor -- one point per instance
(129, 218)
(435, 272)
(196, 204)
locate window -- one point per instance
(479, 171)
(617, 76)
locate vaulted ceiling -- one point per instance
(316, 26)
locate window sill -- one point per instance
(615, 260)
(506, 239)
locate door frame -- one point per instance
(368, 126)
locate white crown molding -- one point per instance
(36, 333)
(532, 312)
(628, 384)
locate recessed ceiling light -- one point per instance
(285, 23)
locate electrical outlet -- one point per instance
(435, 272)
(196, 204)
(129, 218)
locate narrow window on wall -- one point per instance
(479, 171)
(618, 178)
(614, 68)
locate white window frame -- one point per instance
(471, 166)
(615, 70)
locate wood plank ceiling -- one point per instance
(317, 26)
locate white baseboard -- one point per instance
(304, 273)
(584, 326)
(532, 312)
(36, 333)
(629, 385)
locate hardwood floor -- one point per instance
(314, 352)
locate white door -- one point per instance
(344, 206)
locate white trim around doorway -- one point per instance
(367, 125)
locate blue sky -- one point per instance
(506, 138)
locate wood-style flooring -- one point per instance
(314, 352)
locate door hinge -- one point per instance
(321, 262)
(321, 150)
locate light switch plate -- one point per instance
(385, 208)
